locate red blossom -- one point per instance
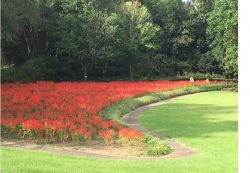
(73, 106)
(130, 134)
(107, 135)
(33, 125)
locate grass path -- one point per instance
(206, 122)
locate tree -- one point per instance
(111, 38)
(139, 33)
(45, 38)
(203, 6)
(193, 41)
(19, 20)
(170, 16)
(223, 30)
(84, 33)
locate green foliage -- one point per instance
(156, 147)
(18, 27)
(106, 39)
(184, 40)
(84, 33)
(40, 68)
(78, 137)
(199, 76)
(223, 29)
(139, 32)
(169, 15)
(208, 63)
(158, 150)
(18, 17)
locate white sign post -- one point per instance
(191, 79)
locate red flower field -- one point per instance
(70, 110)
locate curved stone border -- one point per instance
(179, 150)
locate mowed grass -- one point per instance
(206, 122)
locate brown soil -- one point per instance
(92, 148)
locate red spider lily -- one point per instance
(108, 135)
(72, 108)
(130, 134)
(32, 125)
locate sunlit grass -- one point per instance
(206, 121)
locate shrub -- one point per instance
(199, 76)
(156, 147)
(40, 68)
(158, 150)
(117, 111)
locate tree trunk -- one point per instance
(131, 72)
(85, 71)
(27, 43)
(47, 43)
(104, 70)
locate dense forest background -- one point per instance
(103, 40)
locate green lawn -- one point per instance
(206, 122)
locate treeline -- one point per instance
(117, 39)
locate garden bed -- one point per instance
(98, 136)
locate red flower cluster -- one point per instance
(128, 134)
(69, 110)
(107, 135)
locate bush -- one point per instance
(158, 150)
(148, 138)
(199, 76)
(40, 68)
(156, 147)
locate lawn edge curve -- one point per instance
(117, 111)
(130, 119)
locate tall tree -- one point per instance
(223, 30)
(170, 15)
(19, 20)
(193, 38)
(139, 32)
(84, 33)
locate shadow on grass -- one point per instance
(191, 120)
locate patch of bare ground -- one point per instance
(94, 148)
